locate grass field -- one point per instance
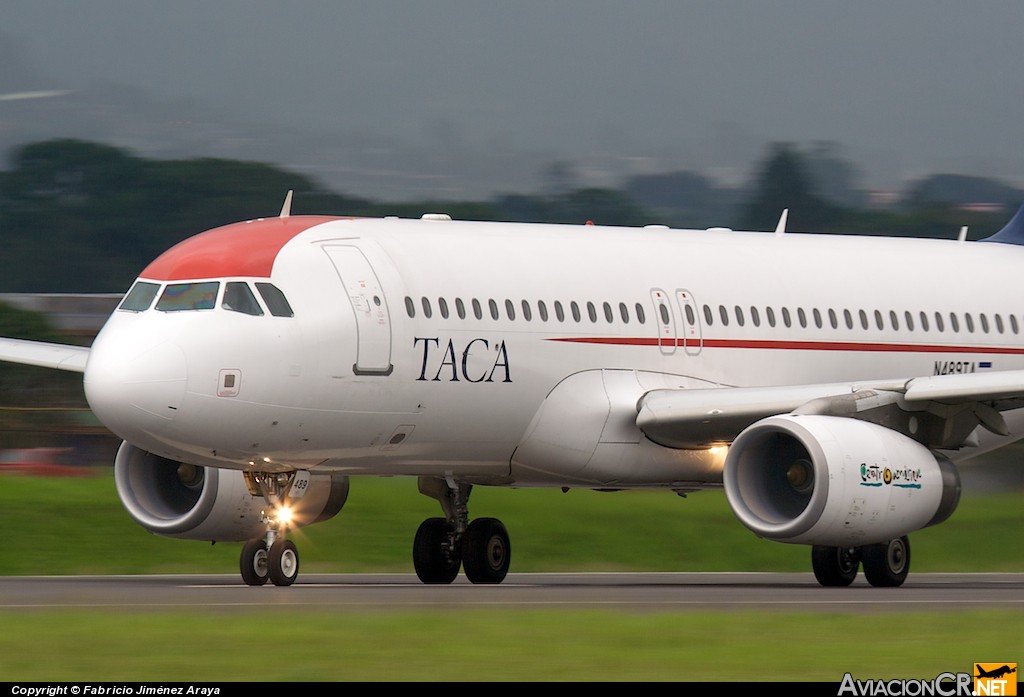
(486, 645)
(72, 526)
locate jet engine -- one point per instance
(185, 501)
(835, 481)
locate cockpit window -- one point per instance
(238, 298)
(275, 300)
(189, 296)
(140, 297)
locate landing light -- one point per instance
(284, 515)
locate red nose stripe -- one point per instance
(239, 249)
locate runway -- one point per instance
(655, 592)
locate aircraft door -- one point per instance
(666, 321)
(373, 323)
(693, 339)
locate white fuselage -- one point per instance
(386, 367)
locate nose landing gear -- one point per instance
(273, 557)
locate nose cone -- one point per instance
(135, 382)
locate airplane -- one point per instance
(996, 672)
(830, 384)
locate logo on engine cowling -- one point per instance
(900, 477)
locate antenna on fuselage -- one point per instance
(781, 227)
(963, 234)
(286, 209)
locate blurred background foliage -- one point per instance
(86, 217)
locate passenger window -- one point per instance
(969, 321)
(879, 322)
(427, 311)
(460, 308)
(817, 317)
(755, 317)
(848, 318)
(140, 297)
(786, 319)
(510, 309)
(924, 320)
(663, 311)
(559, 312)
(493, 306)
(999, 323)
(624, 313)
(739, 315)
(833, 320)
(801, 317)
(542, 309)
(641, 316)
(954, 322)
(591, 311)
(189, 296)
(771, 316)
(275, 300)
(894, 320)
(724, 314)
(478, 311)
(691, 319)
(708, 316)
(410, 307)
(1013, 324)
(984, 322)
(575, 310)
(527, 313)
(939, 326)
(239, 298)
(609, 317)
(909, 319)
(863, 319)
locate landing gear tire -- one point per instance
(283, 562)
(435, 554)
(886, 565)
(486, 552)
(834, 566)
(253, 563)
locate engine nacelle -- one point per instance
(189, 502)
(836, 481)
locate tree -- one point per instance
(783, 183)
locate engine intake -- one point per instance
(185, 501)
(828, 480)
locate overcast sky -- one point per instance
(907, 87)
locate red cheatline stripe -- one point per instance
(797, 345)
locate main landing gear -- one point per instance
(442, 545)
(271, 557)
(885, 564)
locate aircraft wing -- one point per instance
(947, 408)
(59, 356)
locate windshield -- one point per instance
(140, 297)
(189, 296)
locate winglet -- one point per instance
(781, 227)
(286, 209)
(1013, 233)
